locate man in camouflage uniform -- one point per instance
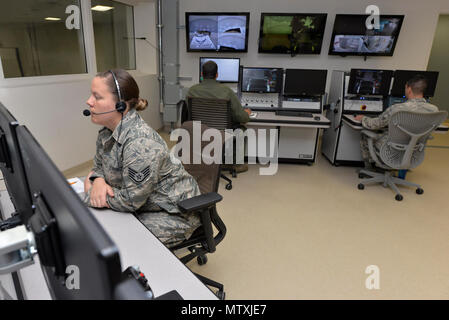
(145, 179)
(414, 92)
(210, 88)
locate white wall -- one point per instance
(145, 26)
(51, 107)
(53, 113)
(412, 49)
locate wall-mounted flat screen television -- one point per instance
(291, 33)
(219, 32)
(351, 37)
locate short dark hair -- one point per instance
(210, 70)
(418, 84)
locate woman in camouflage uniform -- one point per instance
(133, 168)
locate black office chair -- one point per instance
(214, 113)
(203, 241)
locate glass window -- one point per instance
(114, 35)
(38, 38)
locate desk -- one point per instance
(137, 246)
(357, 125)
(297, 136)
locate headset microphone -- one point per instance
(87, 112)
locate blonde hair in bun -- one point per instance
(141, 104)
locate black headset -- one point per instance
(120, 106)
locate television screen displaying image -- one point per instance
(352, 37)
(217, 31)
(262, 80)
(369, 82)
(292, 33)
(228, 68)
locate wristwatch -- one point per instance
(92, 178)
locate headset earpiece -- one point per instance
(120, 106)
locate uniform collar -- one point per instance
(418, 100)
(209, 81)
(122, 128)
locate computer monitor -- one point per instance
(305, 82)
(11, 165)
(261, 80)
(228, 68)
(66, 232)
(217, 31)
(350, 35)
(291, 33)
(402, 76)
(369, 82)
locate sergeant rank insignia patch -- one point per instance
(138, 176)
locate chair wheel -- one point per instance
(398, 197)
(201, 260)
(419, 191)
(229, 186)
(361, 186)
(221, 294)
(234, 174)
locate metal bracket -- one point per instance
(17, 248)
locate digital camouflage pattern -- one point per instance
(136, 162)
(381, 122)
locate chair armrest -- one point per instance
(199, 202)
(370, 134)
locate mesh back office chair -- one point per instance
(404, 147)
(203, 241)
(214, 113)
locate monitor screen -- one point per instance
(351, 36)
(217, 31)
(261, 80)
(66, 232)
(369, 82)
(11, 165)
(228, 68)
(305, 82)
(402, 76)
(292, 33)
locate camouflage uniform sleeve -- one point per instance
(142, 160)
(98, 166)
(378, 122)
(238, 113)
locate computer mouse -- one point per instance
(316, 118)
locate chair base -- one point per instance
(229, 181)
(211, 283)
(200, 254)
(232, 171)
(388, 180)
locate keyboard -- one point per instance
(294, 114)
